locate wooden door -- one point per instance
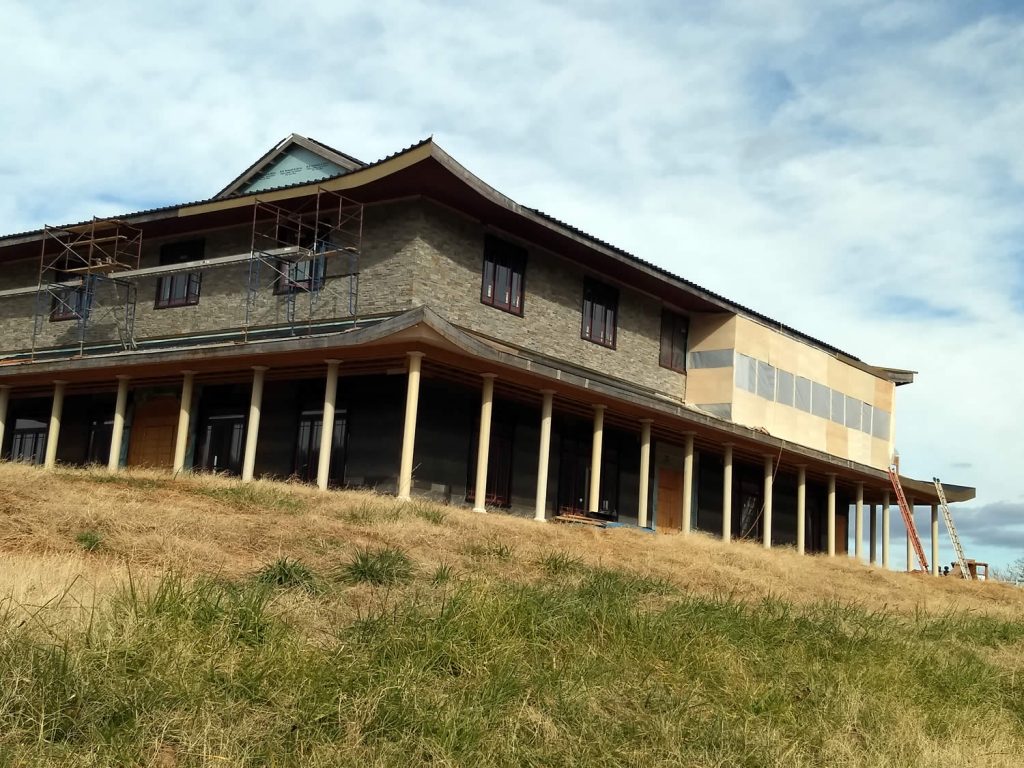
(153, 430)
(669, 513)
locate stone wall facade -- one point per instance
(414, 253)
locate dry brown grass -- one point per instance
(200, 524)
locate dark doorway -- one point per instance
(222, 438)
(28, 441)
(307, 447)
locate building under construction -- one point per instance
(403, 326)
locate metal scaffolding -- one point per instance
(77, 268)
(304, 251)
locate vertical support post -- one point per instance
(117, 432)
(5, 398)
(858, 524)
(544, 454)
(766, 516)
(885, 530)
(727, 494)
(688, 484)
(252, 430)
(594, 500)
(801, 509)
(484, 445)
(873, 532)
(910, 550)
(645, 471)
(184, 415)
(53, 434)
(831, 516)
(323, 469)
(935, 540)
(412, 399)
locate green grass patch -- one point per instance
(250, 496)
(89, 540)
(378, 567)
(288, 573)
(586, 671)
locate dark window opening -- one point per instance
(222, 439)
(28, 441)
(69, 302)
(504, 275)
(101, 432)
(575, 448)
(498, 492)
(300, 276)
(674, 331)
(600, 307)
(307, 447)
(180, 289)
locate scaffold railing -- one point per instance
(309, 251)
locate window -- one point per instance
(179, 289)
(503, 275)
(674, 330)
(746, 372)
(68, 302)
(784, 387)
(300, 276)
(838, 407)
(29, 440)
(803, 394)
(765, 380)
(600, 306)
(821, 400)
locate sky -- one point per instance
(854, 168)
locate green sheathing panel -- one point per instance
(294, 166)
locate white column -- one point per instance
(688, 484)
(858, 525)
(323, 469)
(5, 398)
(53, 435)
(184, 415)
(885, 530)
(252, 431)
(484, 445)
(595, 459)
(543, 455)
(873, 532)
(727, 494)
(801, 509)
(766, 516)
(935, 540)
(831, 516)
(645, 471)
(117, 433)
(412, 399)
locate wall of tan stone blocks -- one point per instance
(449, 258)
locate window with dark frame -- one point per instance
(68, 302)
(504, 275)
(674, 331)
(180, 289)
(300, 276)
(600, 308)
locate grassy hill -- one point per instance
(151, 621)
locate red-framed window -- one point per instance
(674, 331)
(504, 275)
(180, 289)
(600, 312)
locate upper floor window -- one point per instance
(503, 275)
(68, 302)
(600, 308)
(674, 331)
(300, 276)
(180, 289)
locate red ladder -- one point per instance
(908, 518)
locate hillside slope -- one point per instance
(152, 621)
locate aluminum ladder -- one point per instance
(953, 537)
(908, 517)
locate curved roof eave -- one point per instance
(429, 149)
